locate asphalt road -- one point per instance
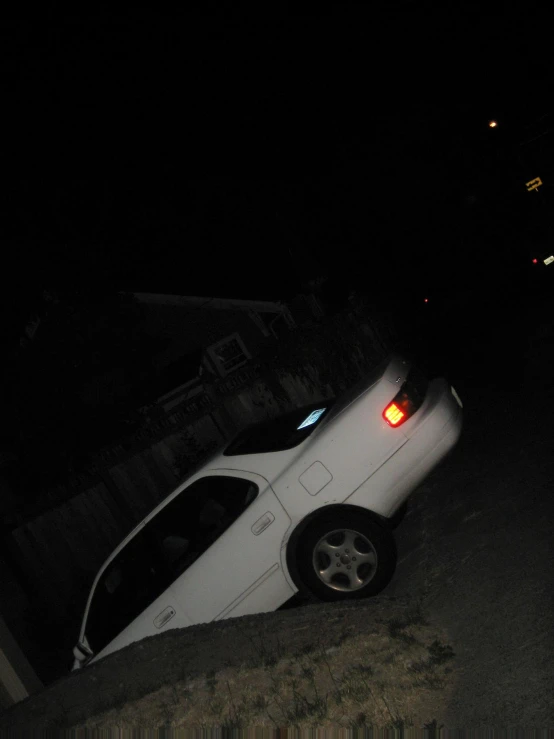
(476, 546)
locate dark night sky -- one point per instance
(244, 156)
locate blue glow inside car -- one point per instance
(312, 418)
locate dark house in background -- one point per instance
(210, 338)
(174, 347)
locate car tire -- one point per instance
(345, 555)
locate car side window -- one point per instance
(195, 518)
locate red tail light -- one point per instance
(393, 414)
(408, 400)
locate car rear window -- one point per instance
(284, 432)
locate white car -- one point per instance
(299, 503)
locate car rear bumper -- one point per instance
(431, 434)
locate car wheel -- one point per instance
(346, 555)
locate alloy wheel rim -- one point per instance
(344, 560)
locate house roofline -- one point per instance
(185, 301)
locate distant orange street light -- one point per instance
(493, 124)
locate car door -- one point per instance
(131, 599)
(238, 572)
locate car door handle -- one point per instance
(165, 616)
(262, 523)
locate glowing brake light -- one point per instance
(408, 399)
(393, 414)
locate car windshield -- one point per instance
(278, 434)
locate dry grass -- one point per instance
(395, 675)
